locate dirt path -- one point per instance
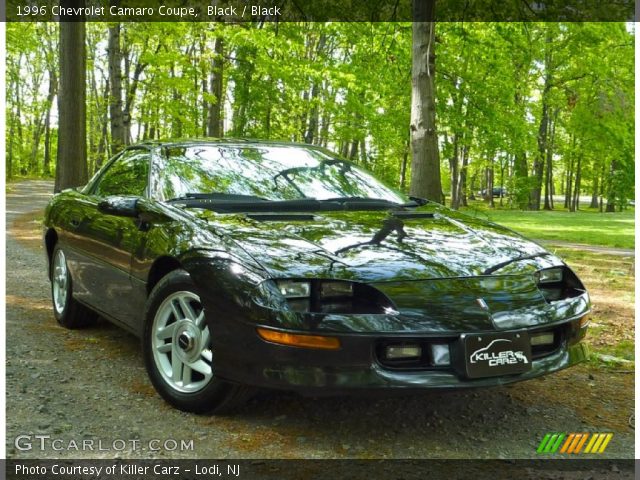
(91, 385)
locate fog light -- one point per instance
(542, 339)
(396, 352)
(440, 354)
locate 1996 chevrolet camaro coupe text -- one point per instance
(257, 264)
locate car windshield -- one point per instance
(266, 172)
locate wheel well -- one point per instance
(159, 269)
(50, 240)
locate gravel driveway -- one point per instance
(91, 385)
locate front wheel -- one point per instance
(177, 349)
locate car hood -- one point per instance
(377, 246)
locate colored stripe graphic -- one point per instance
(567, 442)
(574, 442)
(550, 443)
(591, 443)
(543, 443)
(579, 446)
(606, 442)
(558, 442)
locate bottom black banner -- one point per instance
(567, 469)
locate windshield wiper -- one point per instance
(371, 201)
(214, 196)
(228, 203)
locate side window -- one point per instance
(128, 175)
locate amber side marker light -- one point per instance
(295, 340)
(584, 321)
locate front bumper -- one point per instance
(247, 359)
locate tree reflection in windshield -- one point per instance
(271, 172)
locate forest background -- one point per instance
(534, 111)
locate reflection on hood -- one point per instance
(378, 246)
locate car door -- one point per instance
(103, 243)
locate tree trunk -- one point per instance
(538, 164)
(176, 116)
(37, 133)
(568, 192)
(118, 134)
(462, 184)
(472, 187)
(9, 165)
(575, 204)
(594, 195)
(312, 127)
(602, 185)
(130, 97)
(53, 86)
(425, 162)
(453, 166)
(489, 195)
(403, 168)
(611, 194)
(521, 193)
(214, 119)
(323, 138)
(103, 151)
(245, 60)
(353, 152)
(548, 189)
(71, 168)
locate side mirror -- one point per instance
(120, 206)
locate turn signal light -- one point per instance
(296, 340)
(584, 321)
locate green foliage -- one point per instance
(347, 86)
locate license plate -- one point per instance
(490, 355)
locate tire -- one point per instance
(177, 350)
(68, 312)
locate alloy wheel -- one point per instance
(181, 343)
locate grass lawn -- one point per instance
(586, 226)
(610, 281)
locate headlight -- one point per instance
(294, 289)
(333, 296)
(550, 275)
(558, 283)
(336, 289)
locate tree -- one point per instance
(214, 118)
(425, 163)
(116, 115)
(71, 170)
(510, 105)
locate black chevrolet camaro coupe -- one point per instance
(247, 264)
